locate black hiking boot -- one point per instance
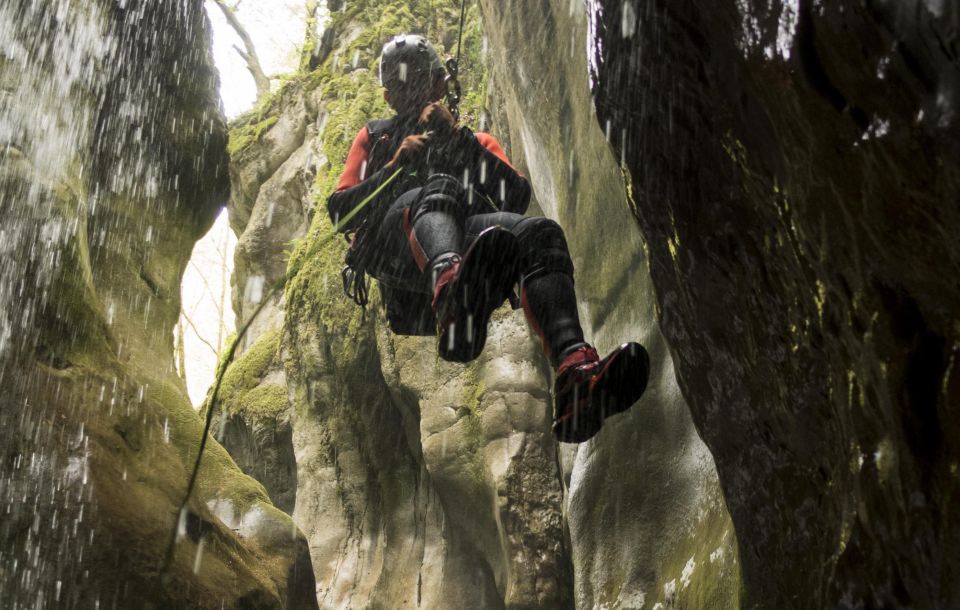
(589, 390)
(466, 292)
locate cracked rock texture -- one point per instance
(795, 172)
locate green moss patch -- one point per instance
(268, 400)
(245, 135)
(700, 571)
(242, 391)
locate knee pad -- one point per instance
(441, 193)
(543, 248)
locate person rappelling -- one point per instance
(435, 213)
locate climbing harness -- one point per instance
(355, 286)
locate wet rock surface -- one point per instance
(775, 183)
(418, 483)
(400, 455)
(647, 522)
(794, 168)
(116, 166)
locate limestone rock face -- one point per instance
(113, 165)
(417, 483)
(646, 518)
(795, 173)
(423, 482)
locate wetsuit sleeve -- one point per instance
(352, 174)
(354, 187)
(497, 178)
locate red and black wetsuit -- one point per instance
(489, 172)
(494, 194)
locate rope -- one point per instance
(231, 352)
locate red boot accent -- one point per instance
(419, 256)
(582, 355)
(446, 277)
(588, 390)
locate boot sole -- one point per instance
(485, 282)
(616, 387)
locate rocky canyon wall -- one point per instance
(647, 520)
(763, 193)
(418, 481)
(113, 164)
(795, 172)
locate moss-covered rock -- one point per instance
(119, 168)
(247, 371)
(418, 482)
(243, 136)
(796, 173)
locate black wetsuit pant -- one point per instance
(545, 270)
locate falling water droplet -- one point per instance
(182, 524)
(270, 208)
(628, 24)
(253, 292)
(198, 558)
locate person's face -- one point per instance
(408, 99)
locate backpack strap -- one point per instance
(382, 144)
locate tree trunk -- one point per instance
(249, 52)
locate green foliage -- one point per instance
(473, 70)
